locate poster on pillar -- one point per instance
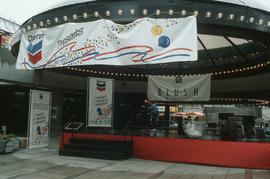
(39, 118)
(100, 102)
(163, 88)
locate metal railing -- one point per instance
(129, 125)
(63, 130)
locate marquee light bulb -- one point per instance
(251, 20)
(183, 12)
(158, 12)
(242, 18)
(48, 22)
(108, 13)
(196, 13)
(145, 12)
(170, 12)
(96, 14)
(132, 11)
(219, 15)
(85, 15)
(65, 18)
(120, 12)
(231, 16)
(208, 14)
(56, 19)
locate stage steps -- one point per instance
(101, 149)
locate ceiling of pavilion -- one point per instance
(233, 40)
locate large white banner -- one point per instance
(39, 119)
(100, 102)
(195, 88)
(144, 41)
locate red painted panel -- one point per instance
(220, 153)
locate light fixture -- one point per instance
(85, 15)
(251, 20)
(108, 13)
(260, 22)
(41, 23)
(196, 13)
(242, 18)
(132, 11)
(34, 26)
(56, 19)
(231, 17)
(75, 16)
(28, 27)
(158, 12)
(183, 12)
(208, 14)
(219, 15)
(65, 18)
(145, 12)
(170, 12)
(120, 12)
(48, 22)
(96, 14)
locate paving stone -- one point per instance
(168, 176)
(140, 176)
(46, 163)
(202, 177)
(261, 175)
(220, 176)
(186, 177)
(235, 176)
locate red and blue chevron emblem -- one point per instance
(34, 52)
(101, 85)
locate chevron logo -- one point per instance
(34, 52)
(101, 85)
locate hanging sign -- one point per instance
(103, 42)
(39, 119)
(195, 88)
(100, 102)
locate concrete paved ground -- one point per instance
(46, 163)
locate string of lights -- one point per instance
(120, 12)
(231, 101)
(224, 72)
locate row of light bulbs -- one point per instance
(252, 102)
(120, 12)
(187, 104)
(95, 72)
(241, 100)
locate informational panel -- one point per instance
(100, 102)
(39, 118)
(163, 88)
(103, 42)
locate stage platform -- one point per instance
(152, 145)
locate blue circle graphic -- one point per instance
(163, 41)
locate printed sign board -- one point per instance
(100, 102)
(39, 119)
(195, 88)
